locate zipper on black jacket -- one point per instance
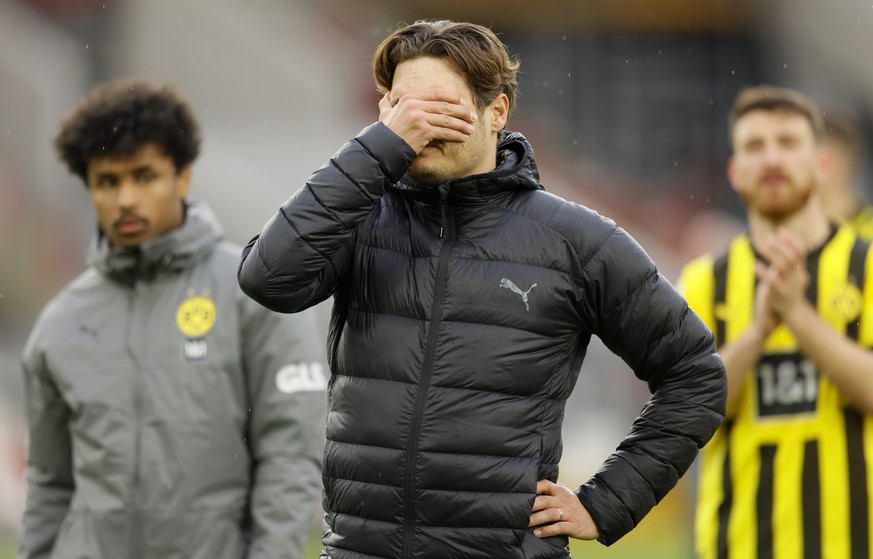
(443, 204)
(426, 372)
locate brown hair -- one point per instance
(776, 99)
(119, 117)
(473, 50)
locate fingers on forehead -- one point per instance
(439, 94)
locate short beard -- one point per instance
(781, 212)
(427, 177)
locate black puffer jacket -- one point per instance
(462, 315)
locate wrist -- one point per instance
(757, 334)
(798, 314)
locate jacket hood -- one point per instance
(515, 158)
(516, 170)
(173, 252)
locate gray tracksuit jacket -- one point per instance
(170, 416)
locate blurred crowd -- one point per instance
(624, 101)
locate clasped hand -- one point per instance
(782, 279)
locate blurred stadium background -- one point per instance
(624, 102)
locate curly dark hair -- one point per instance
(473, 50)
(119, 117)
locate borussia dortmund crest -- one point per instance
(846, 303)
(196, 315)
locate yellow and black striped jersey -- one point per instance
(789, 475)
(863, 221)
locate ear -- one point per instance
(498, 113)
(824, 161)
(183, 182)
(732, 173)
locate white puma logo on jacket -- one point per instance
(507, 284)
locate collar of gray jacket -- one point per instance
(169, 253)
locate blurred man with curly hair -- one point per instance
(169, 415)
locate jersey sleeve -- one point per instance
(696, 283)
